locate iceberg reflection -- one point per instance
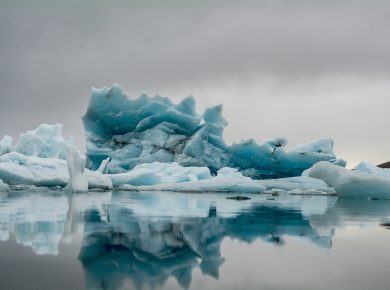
(147, 238)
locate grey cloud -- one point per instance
(51, 54)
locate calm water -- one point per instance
(129, 240)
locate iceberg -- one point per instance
(158, 176)
(46, 141)
(299, 185)
(154, 129)
(38, 159)
(226, 180)
(156, 173)
(351, 183)
(370, 168)
(17, 169)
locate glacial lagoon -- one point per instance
(164, 240)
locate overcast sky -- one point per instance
(298, 69)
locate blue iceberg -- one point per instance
(154, 129)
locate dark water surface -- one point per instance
(131, 240)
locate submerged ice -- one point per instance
(150, 129)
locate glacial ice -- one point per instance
(150, 129)
(150, 143)
(299, 185)
(17, 169)
(173, 177)
(46, 141)
(351, 183)
(226, 180)
(75, 162)
(370, 168)
(156, 173)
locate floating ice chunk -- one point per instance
(348, 183)
(370, 168)
(45, 141)
(76, 165)
(153, 129)
(3, 186)
(19, 169)
(156, 173)
(6, 145)
(16, 169)
(298, 185)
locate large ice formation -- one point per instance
(352, 183)
(45, 141)
(75, 162)
(17, 169)
(150, 129)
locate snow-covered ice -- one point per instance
(351, 183)
(150, 129)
